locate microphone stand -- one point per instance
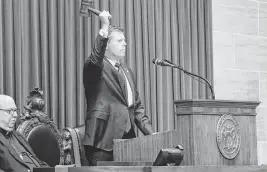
(192, 74)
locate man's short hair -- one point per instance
(114, 29)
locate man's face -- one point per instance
(8, 115)
(117, 44)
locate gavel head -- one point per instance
(85, 4)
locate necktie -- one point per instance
(123, 84)
(124, 87)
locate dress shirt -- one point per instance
(129, 89)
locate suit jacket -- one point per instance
(107, 109)
(9, 159)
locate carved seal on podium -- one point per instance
(228, 136)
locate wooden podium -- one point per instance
(212, 132)
(203, 132)
(144, 148)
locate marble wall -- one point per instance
(240, 57)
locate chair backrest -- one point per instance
(73, 147)
(44, 138)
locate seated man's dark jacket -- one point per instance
(10, 161)
(107, 108)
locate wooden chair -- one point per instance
(73, 148)
(40, 131)
(44, 138)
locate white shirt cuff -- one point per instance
(103, 33)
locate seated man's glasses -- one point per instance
(10, 111)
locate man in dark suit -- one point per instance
(16, 154)
(113, 104)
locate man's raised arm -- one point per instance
(94, 64)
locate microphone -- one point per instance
(170, 64)
(163, 62)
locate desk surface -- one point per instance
(262, 168)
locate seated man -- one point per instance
(15, 153)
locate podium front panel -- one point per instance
(197, 123)
(144, 148)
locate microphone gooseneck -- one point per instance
(170, 64)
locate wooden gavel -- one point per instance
(86, 8)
